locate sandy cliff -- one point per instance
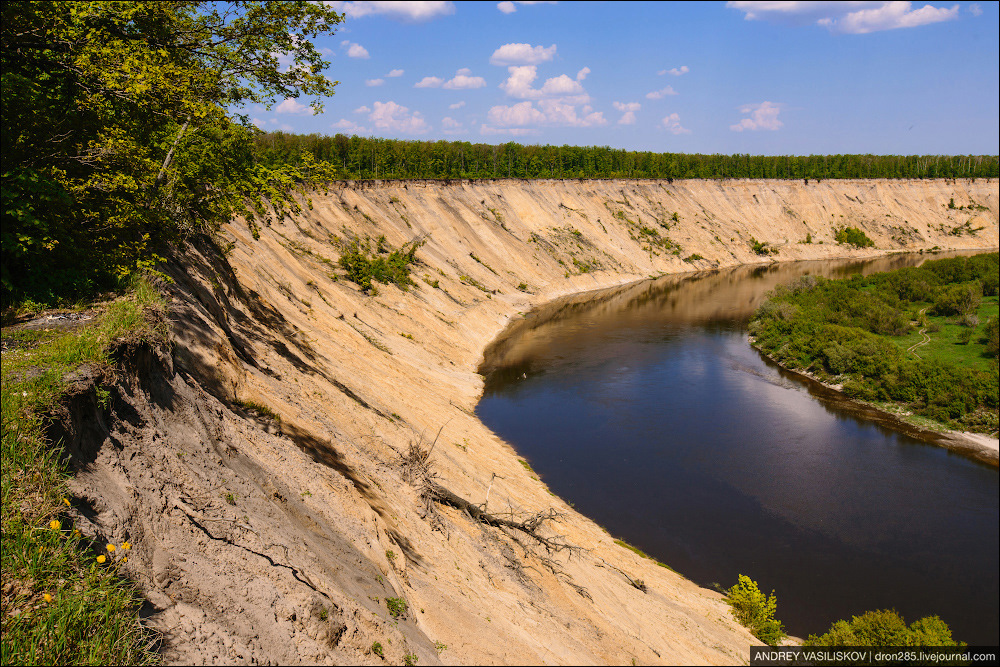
(259, 540)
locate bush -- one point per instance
(396, 606)
(853, 236)
(755, 610)
(363, 268)
(885, 627)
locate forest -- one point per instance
(858, 333)
(373, 157)
(122, 136)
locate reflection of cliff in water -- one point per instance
(720, 297)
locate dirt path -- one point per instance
(923, 332)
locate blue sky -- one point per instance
(702, 77)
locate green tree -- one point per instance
(885, 627)
(120, 131)
(755, 611)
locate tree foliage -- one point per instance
(117, 133)
(841, 330)
(374, 157)
(755, 610)
(885, 627)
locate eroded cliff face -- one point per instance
(281, 541)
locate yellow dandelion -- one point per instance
(125, 559)
(101, 558)
(66, 501)
(48, 598)
(111, 547)
(76, 531)
(55, 525)
(126, 546)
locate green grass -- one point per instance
(643, 554)
(945, 345)
(63, 599)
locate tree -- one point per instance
(755, 610)
(121, 131)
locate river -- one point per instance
(647, 409)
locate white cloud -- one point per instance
(522, 113)
(628, 110)
(362, 109)
(354, 50)
(397, 118)
(511, 7)
(890, 16)
(561, 113)
(975, 9)
(462, 81)
(677, 71)
(349, 126)
(451, 126)
(661, 93)
(429, 82)
(552, 112)
(763, 116)
(395, 73)
(846, 17)
(374, 82)
(258, 122)
(289, 105)
(519, 85)
(522, 54)
(406, 11)
(457, 105)
(672, 124)
(582, 74)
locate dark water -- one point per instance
(647, 408)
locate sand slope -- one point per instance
(265, 541)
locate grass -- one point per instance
(639, 552)
(260, 409)
(946, 336)
(63, 599)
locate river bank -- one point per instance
(324, 526)
(978, 446)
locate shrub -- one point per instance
(885, 627)
(853, 236)
(396, 606)
(991, 336)
(761, 247)
(755, 610)
(363, 268)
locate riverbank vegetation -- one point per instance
(376, 157)
(884, 627)
(63, 599)
(924, 338)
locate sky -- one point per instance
(766, 78)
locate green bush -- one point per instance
(396, 606)
(755, 610)
(853, 236)
(383, 266)
(885, 627)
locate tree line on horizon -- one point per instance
(357, 157)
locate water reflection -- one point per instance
(645, 406)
